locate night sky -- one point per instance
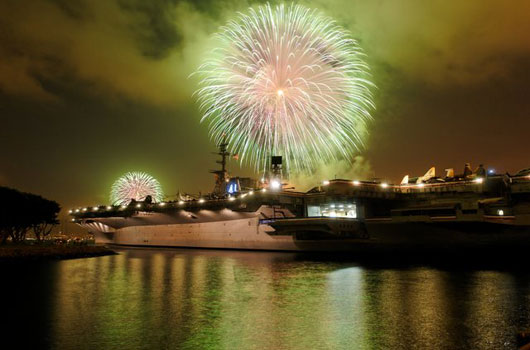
(92, 89)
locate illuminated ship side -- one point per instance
(469, 210)
(224, 223)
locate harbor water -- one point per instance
(208, 299)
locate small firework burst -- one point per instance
(135, 185)
(286, 80)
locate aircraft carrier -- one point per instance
(474, 209)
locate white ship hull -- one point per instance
(233, 234)
(204, 229)
(211, 229)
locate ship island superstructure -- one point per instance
(477, 207)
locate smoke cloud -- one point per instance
(146, 50)
(360, 168)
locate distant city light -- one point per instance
(356, 183)
(138, 205)
(109, 207)
(162, 204)
(384, 185)
(77, 210)
(500, 212)
(251, 193)
(325, 182)
(181, 202)
(491, 171)
(95, 208)
(479, 180)
(231, 198)
(263, 190)
(421, 185)
(70, 211)
(201, 200)
(84, 209)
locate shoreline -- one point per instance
(24, 252)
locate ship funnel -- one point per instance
(275, 182)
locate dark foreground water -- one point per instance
(200, 299)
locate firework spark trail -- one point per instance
(286, 80)
(137, 186)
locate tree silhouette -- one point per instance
(21, 212)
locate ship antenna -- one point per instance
(221, 175)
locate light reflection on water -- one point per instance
(192, 299)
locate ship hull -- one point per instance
(234, 234)
(467, 237)
(250, 234)
(241, 234)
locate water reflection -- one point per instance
(187, 299)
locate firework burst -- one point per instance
(137, 186)
(286, 80)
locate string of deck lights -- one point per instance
(418, 185)
(230, 198)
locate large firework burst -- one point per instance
(286, 80)
(137, 186)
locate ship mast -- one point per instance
(221, 175)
